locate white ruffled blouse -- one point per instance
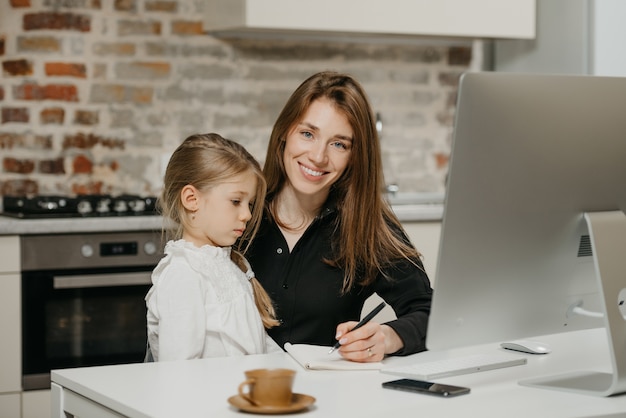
(202, 305)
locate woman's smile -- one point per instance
(310, 172)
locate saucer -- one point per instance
(298, 403)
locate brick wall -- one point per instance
(94, 94)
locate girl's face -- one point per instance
(317, 149)
(222, 211)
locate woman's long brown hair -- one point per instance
(367, 240)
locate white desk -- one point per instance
(200, 388)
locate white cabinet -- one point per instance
(10, 340)
(10, 405)
(573, 37)
(36, 404)
(13, 402)
(425, 237)
(10, 314)
(442, 18)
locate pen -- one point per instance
(363, 321)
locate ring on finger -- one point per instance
(369, 352)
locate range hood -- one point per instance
(407, 19)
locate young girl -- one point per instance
(205, 300)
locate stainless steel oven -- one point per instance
(83, 300)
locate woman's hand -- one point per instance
(369, 343)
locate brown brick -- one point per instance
(122, 49)
(142, 70)
(99, 71)
(126, 5)
(17, 67)
(66, 69)
(28, 91)
(9, 140)
(80, 140)
(116, 93)
(449, 78)
(32, 91)
(89, 188)
(445, 117)
(86, 141)
(82, 165)
(142, 95)
(107, 93)
(20, 187)
(38, 44)
(460, 56)
(113, 143)
(182, 27)
(133, 27)
(15, 114)
(43, 142)
(64, 92)
(441, 160)
(55, 166)
(20, 3)
(127, 118)
(161, 6)
(56, 21)
(52, 116)
(86, 117)
(13, 165)
(2, 41)
(13, 140)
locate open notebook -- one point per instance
(316, 357)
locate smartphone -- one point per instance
(429, 388)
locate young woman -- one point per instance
(328, 239)
(205, 301)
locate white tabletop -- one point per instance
(200, 388)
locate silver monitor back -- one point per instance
(531, 154)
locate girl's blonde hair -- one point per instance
(204, 161)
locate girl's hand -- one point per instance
(369, 343)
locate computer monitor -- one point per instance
(531, 155)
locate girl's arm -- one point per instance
(180, 303)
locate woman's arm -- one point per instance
(409, 293)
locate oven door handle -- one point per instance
(102, 280)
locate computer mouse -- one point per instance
(527, 346)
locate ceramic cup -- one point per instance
(268, 387)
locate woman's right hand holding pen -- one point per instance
(369, 343)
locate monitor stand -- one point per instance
(607, 231)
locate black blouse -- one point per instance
(307, 292)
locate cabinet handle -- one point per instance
(102, 280)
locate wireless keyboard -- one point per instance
(455, 366)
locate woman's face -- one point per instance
(317, 149)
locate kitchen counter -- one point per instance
(419, 212)
(15, 226)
